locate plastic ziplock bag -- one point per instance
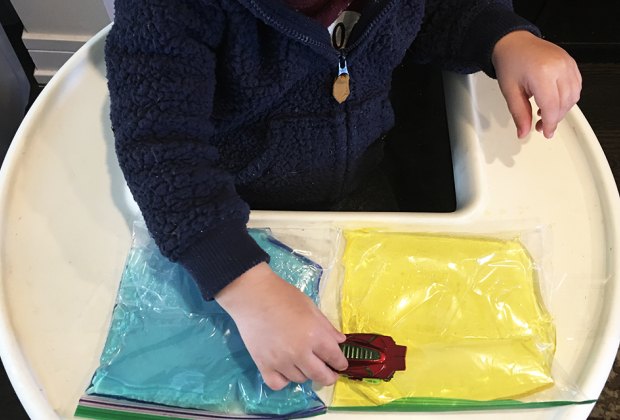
(467, 308)
(170, 347)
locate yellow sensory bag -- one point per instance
(469, 310)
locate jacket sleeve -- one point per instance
(459, 35)
(160, 58)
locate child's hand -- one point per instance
(285, 333)
(528, 66)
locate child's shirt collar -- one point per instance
(325, 11)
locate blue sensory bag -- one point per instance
(170, 347)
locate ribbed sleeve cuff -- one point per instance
(488, 27)
(220, 256)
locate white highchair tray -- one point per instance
(66, 229)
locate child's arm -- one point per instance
(470, 35)
(161, 67)
(285, 333)
(528, 66)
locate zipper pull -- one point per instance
(341, 89)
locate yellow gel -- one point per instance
(468, 310)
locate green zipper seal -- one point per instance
(109, 414)
(99, 413)
(447, 404)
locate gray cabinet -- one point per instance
(55, 29)
(14, 91)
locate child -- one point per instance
(222, 105)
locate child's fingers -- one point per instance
(548, 99)
(568, 101)
(293, 374)
(578, 78)
(316, 370)
(340, 337)
(570, 90)
(273, 379)
(334, 359)
(565, 96)
(539, 127)
(331, 354)
(520, 108)
(337, 335)
(554, 105)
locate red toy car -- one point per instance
(372, 356)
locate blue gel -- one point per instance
(166, 345)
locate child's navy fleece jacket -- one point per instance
(219, 105)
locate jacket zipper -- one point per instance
(339, 54)
(341, 87)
